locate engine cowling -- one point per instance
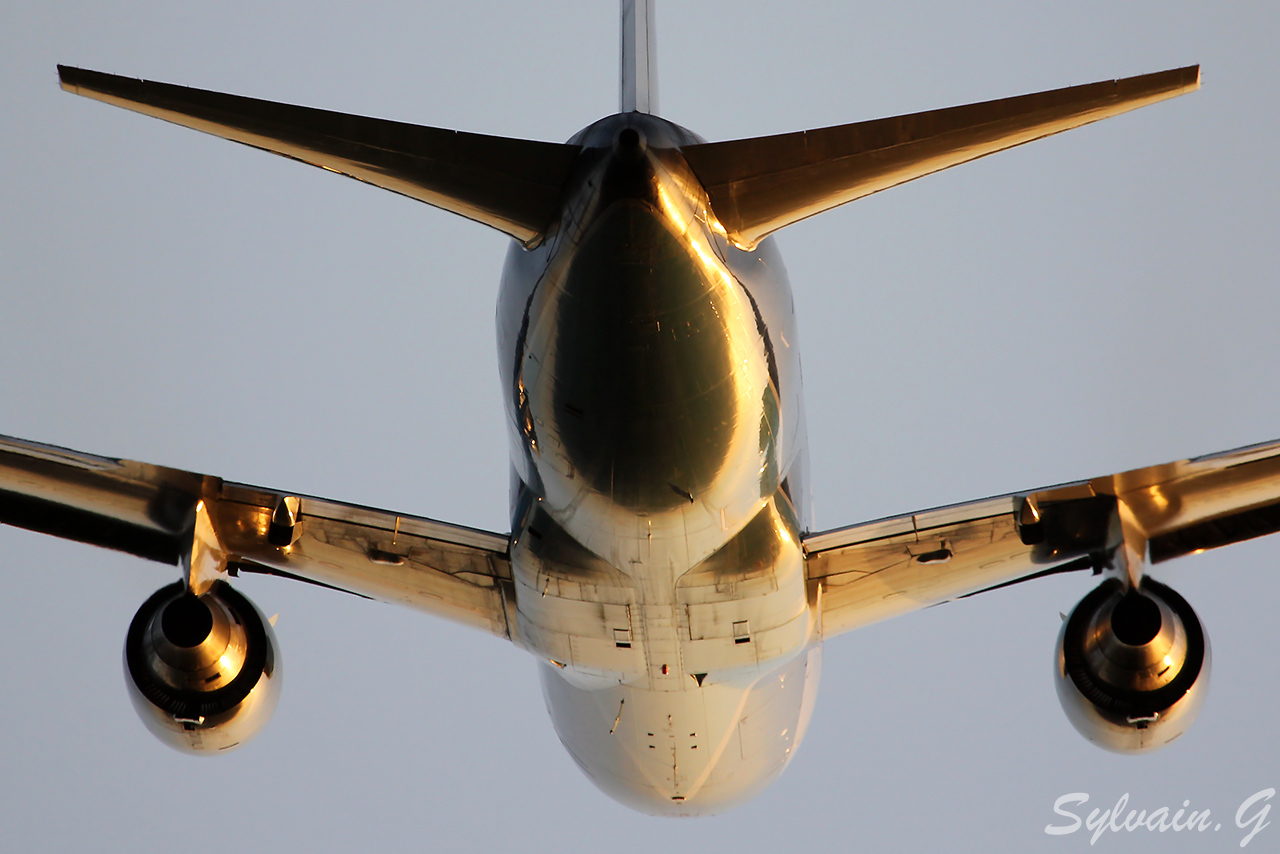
(203, 672)
(1133, 667)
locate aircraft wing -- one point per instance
(211, 527)
(873, 571)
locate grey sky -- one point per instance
(1095, 302)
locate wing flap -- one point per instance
(513, 185)
(866, 577)
(390, 557)
(759, 185)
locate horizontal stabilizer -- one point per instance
(512, 185)
(757, 186)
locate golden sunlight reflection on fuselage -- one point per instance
(656, 557)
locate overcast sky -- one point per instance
(1095, 302)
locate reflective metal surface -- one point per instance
(218, 528)
(653, 393)
(1132, 667)
(649, 365)
(203, 673)
(512, 185)
(877, 570)
(759, 185)
(638, 91)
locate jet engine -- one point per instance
(203, 672)
(1133, 666)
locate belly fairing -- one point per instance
(699, 752)
(741, 612)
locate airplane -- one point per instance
(216, 529)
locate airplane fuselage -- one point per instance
(653, 394)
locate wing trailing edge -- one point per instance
(513, 185)
(756, 186)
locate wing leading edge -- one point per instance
(213, 527)
(870, 572)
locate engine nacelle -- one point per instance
(203, 673)
(1133, 668)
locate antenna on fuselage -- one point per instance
(639, 78)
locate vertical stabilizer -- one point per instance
(639, 92)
